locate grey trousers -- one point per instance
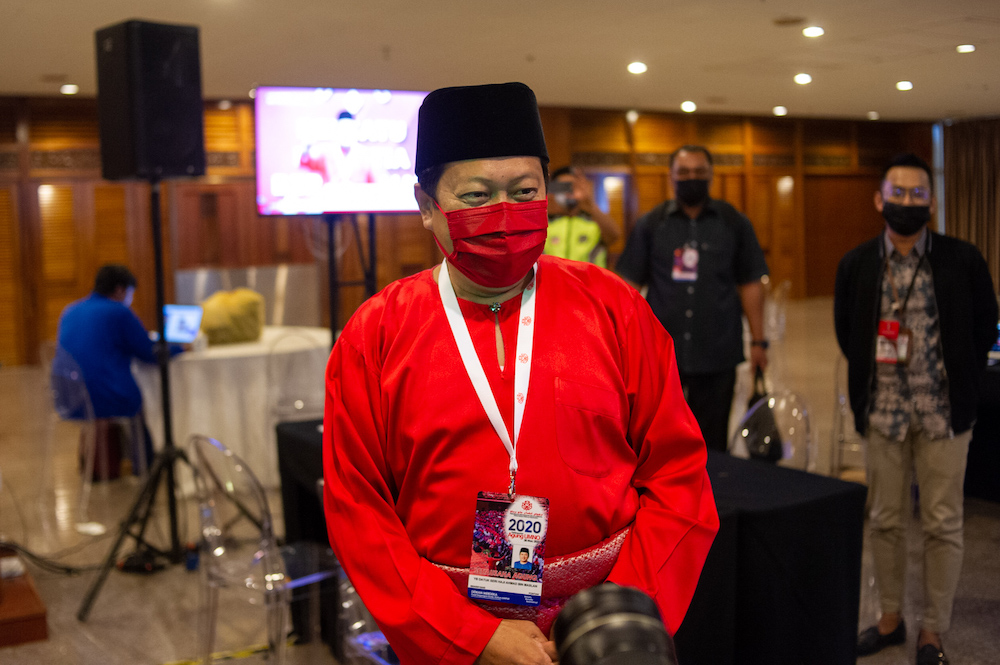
(940, 471)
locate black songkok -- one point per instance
(479, 122)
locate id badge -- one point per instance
(508, 548)
(903, 346)
(685, 264)
(886, 348)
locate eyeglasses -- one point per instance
(684, 173)
(918, 194)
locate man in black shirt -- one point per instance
(703, 265)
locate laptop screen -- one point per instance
(182, 323)
(994, 354)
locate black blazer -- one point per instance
(967, 311)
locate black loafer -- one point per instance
(871, 641)
(931, 655)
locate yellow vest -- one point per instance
(576, 238)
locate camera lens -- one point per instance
(612, 625)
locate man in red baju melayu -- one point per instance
(503, 366)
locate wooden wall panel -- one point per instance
(840, 214)
(772, 213)
(657, 133)
(60, 239)
(556, 125)
(217, 226)
(598, 131)
(64, 123)
(8, 121)
(11, 352)
(720, 134)
(773, 134)
(212, 221)
(110, 227)
(651, 190)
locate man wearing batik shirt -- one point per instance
(915, 314)
(499, 374)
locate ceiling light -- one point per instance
(637, 67)
(904, 85)
(253, 93)
(225, 105)
(803, 79)
(689, 107)
(631, 116)
(779, 110)
(69, 89)
(813, 31)
(965, 48)
(873, 115)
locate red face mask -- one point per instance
(497, 245)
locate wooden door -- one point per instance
(839, 215)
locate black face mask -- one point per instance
(905, 220)
(691, 192)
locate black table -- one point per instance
(982, 473)
(781, 584)
(300, 464)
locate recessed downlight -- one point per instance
(873, 115)
(966, 48)
(779, 111)
(813, 31)
(69, 89)
(689, 107)
(631, 116)
(803, 79)
(904, 85)
(637, 67)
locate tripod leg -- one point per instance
(140, 512)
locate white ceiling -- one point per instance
(727, 56)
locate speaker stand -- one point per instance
(134, 525)
(367, 267)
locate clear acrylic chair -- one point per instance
(782, 415)
(71, 403)
(295, 380)
(239, 550)
(359, 640)
(847, 449)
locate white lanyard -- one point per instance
(522, 360)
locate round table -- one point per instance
(229, 392)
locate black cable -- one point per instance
(47, 564)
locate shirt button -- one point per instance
(689, 313)
(687, 337)
(690, 290)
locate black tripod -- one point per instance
(134, 525)
(367, 267)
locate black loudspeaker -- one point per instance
(149, 101)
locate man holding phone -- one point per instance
(578, 229)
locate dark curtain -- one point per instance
(972, 187)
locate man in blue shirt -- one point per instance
(523, 564)
(102, 334)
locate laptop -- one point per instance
(182, 323)
(993, 357)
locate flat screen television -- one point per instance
(333, 150)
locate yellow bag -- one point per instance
(233, 316)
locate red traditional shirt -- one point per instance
(607, 437)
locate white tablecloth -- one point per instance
(226, 392)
